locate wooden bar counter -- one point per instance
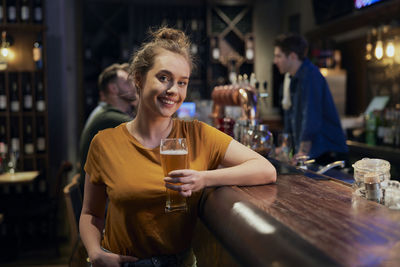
(302, 221)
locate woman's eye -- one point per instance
(163, 78)
(182, 83)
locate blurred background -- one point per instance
(52, 52)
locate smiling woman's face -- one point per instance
(164, 87)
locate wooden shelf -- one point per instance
(22, 27)
(22, 71)
(229, 28)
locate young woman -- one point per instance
(124, 166)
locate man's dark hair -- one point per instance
(292, 43)
(108, 75)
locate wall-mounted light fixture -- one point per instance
(379, 46)
(4, 51)
(368, 47)
(390, 48)
(385, 44)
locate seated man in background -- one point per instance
(118, 101)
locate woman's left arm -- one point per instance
(242, 166)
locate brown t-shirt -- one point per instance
(136, 223)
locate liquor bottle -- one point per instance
(14, 97)
(14, 138)
(27, 95)
(179, 24)
(194, 25)
(1, 12)
(11, 11)
(3, 136)
(370, 133)
(215, 53)
(40, 138)
(253, 79)
(388, 138)
(37, 52)
(3, 147)
(42, 186)
(40, 103)
(37, 11)
(250, 48)
(3, 97)
(232, 72)
(380, 127)
(265, 85)
(28, 140)
(194, 48)
(25, 14)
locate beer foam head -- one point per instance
(174, 152)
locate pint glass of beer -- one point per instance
(174, 156)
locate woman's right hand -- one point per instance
(109, 259)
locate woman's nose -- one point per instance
(173, 88)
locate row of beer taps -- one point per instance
(241, 92)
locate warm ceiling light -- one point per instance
(368, 46)
(390, 49)
(379, 50)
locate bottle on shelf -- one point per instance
(265, 93)
(40, 102)
(253, 79)
(250, 48)
(11, 11)
(3, 96)
(37, 52)
(14, 138)
(397, 126)
(370, 131)
(215, 52)
(14, 97)
(194, 25)
(380, 127)
(1, 12)
(232, 72)
(28, 139)
(179, 23)
(25, 11)
(42, 183)
(40, 137)
(3, 147)
(28, 102)
(388, 136)
(37, 11)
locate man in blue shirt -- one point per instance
(310, 115)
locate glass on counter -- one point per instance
(261, 140)
(365, 166)
(391, 195)
(284, 150)
(370, 178)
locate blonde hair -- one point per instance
(165, 38)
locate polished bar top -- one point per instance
(302, 221)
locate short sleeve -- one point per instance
(217, 142)
(92, 166)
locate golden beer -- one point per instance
(174, 157)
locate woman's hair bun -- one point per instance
(170, 34)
